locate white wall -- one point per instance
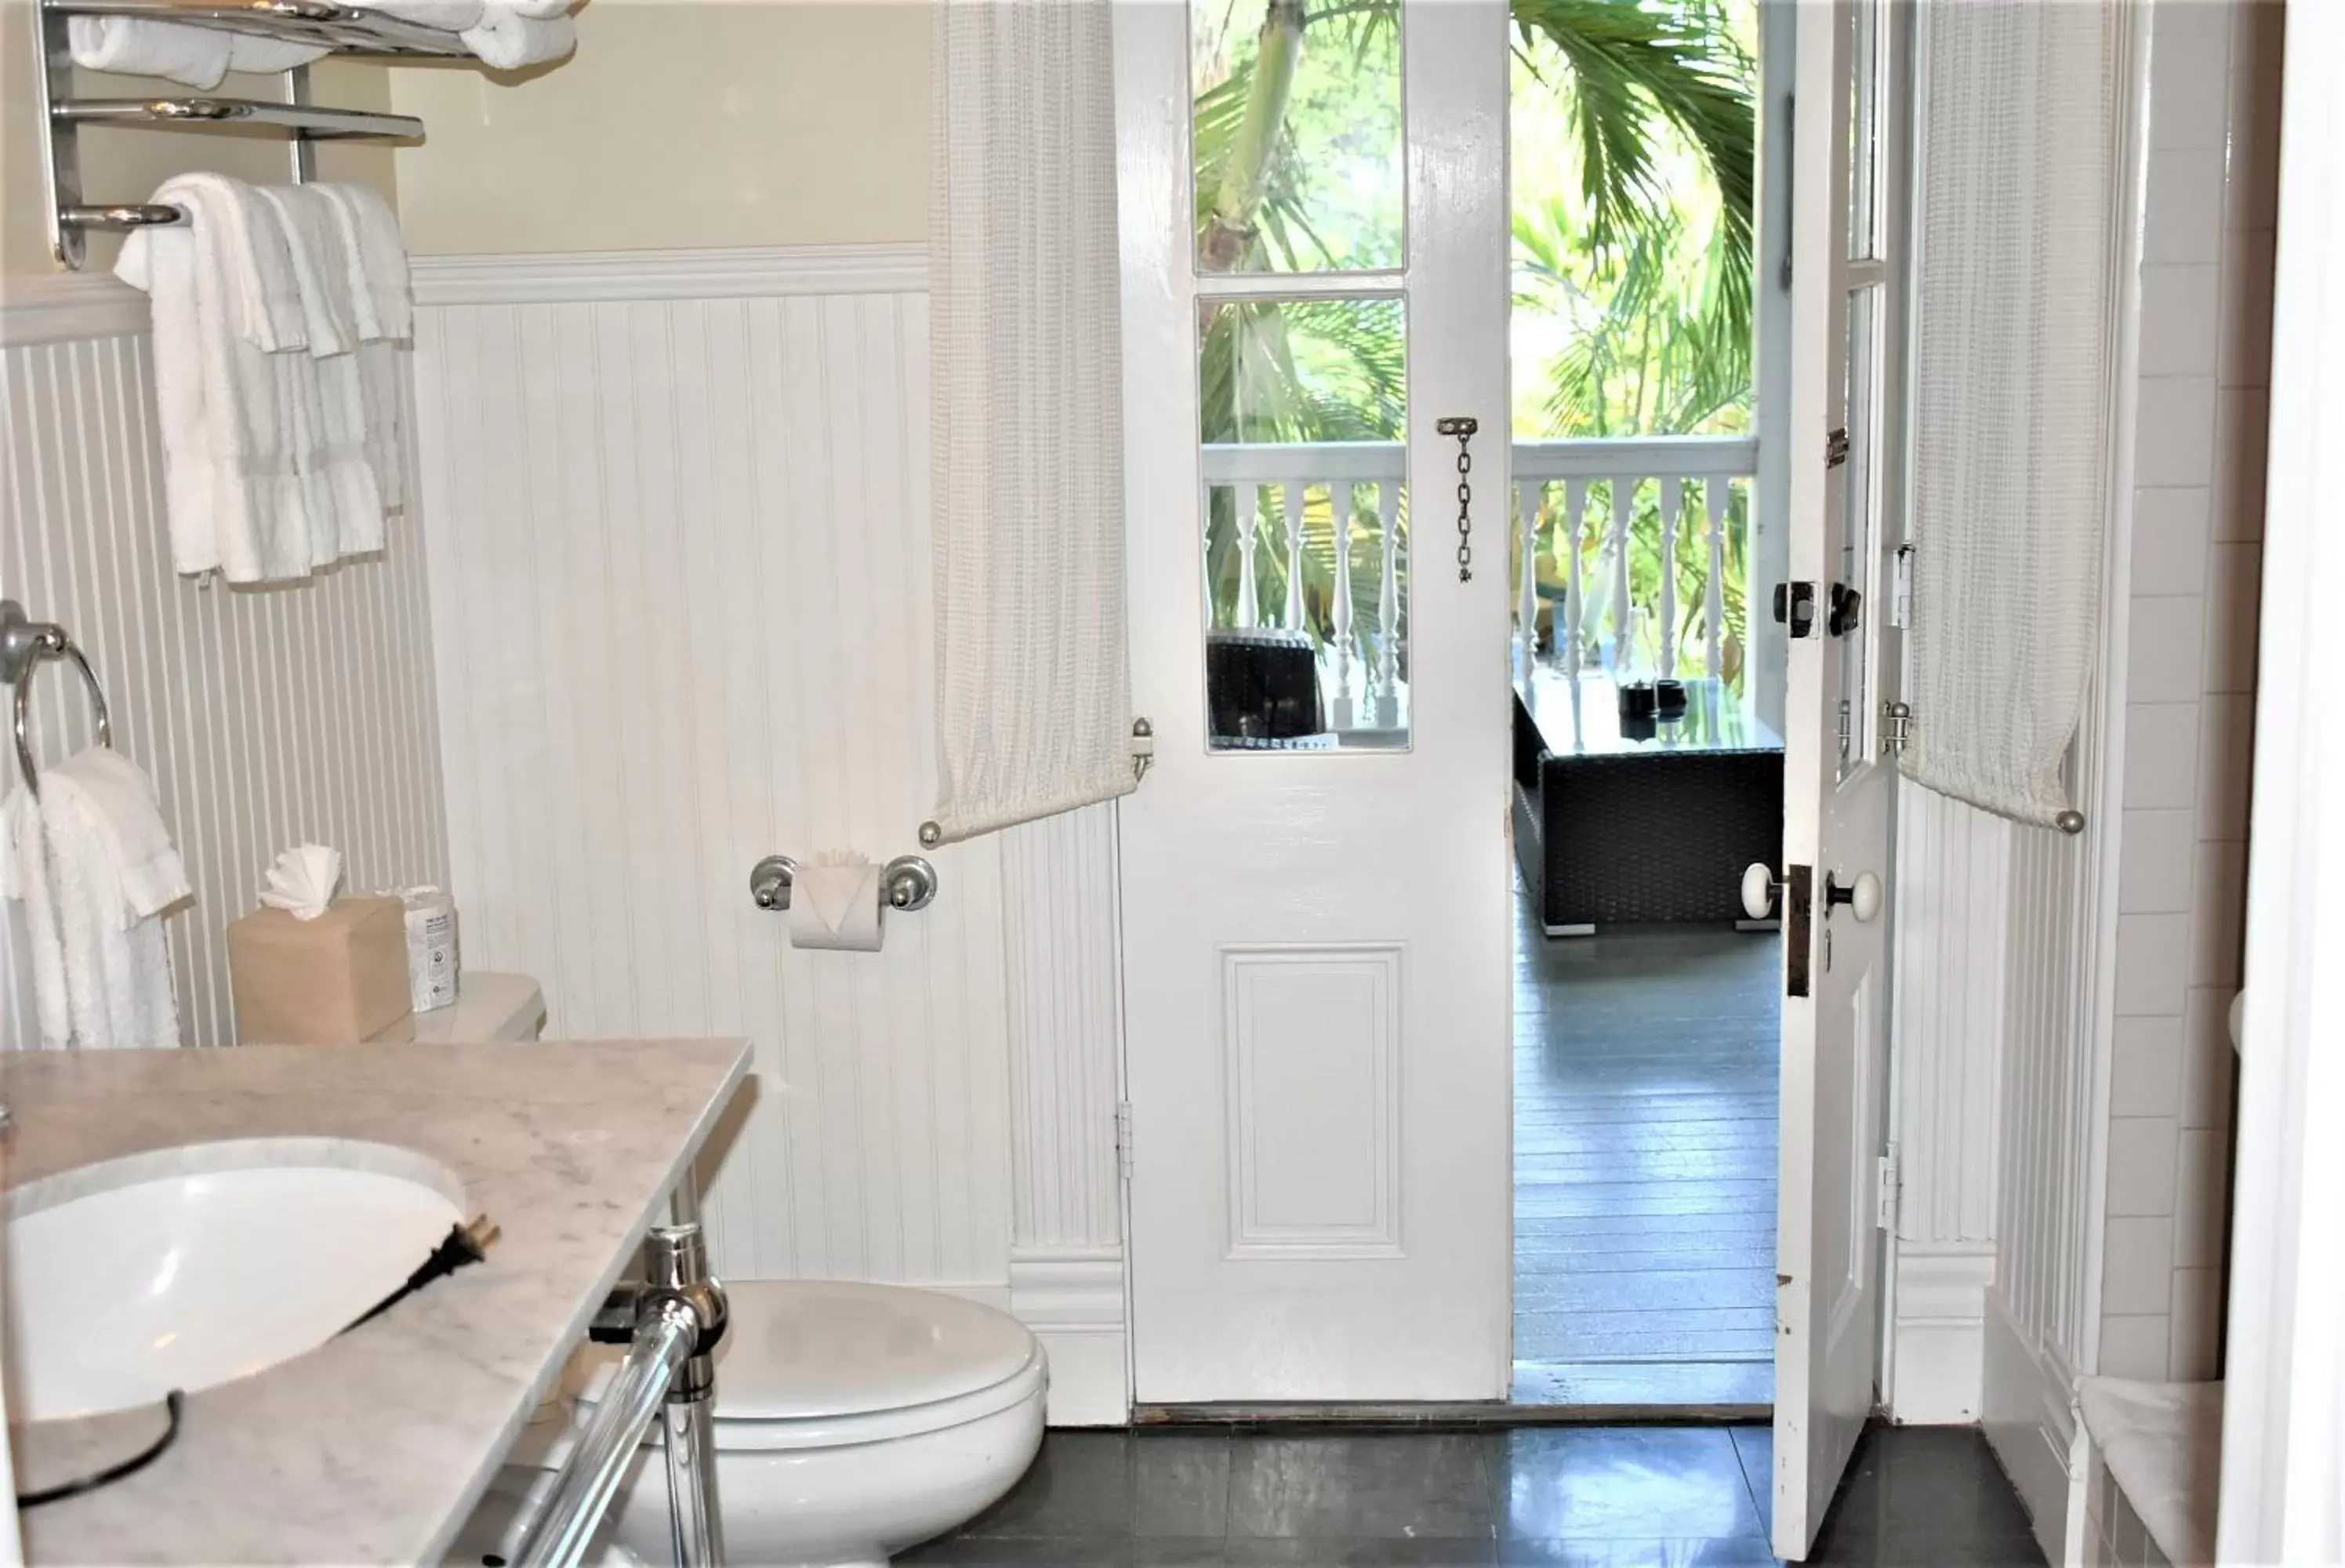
(678, 511)
(265, 716)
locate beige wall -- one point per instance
(678, 122)
(127, 165)
(682, 123)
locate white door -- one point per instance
(1315, 907)
(1839, 784)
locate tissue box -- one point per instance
(334, 980)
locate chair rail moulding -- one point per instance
(614, 276)
(67, 306)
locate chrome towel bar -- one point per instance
(24, 643)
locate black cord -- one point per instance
(112, 1472)
(465, 1244)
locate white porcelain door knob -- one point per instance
(1759, 890)
(1864, 898)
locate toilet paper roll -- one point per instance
(834, 903)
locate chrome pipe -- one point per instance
(676, 1262)
(664, 1337)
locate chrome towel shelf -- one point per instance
(339, 29)
(24, 643)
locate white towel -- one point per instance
(334, 455)
(236, 423)
(95, 981)
(508, 40)
(121, 797)
(199, 57)
(382, 291)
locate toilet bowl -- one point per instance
(852, 1422)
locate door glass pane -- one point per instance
(1852, 606)
(1297, 136)
(1868, 73)
(1303, 412)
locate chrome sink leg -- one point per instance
(676, 1259)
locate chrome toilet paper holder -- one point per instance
(908, 883)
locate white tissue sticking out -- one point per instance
(303, 880)
(835, 903)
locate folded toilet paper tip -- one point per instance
(303, 881)
(835, 903)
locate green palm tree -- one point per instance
(1668, 351)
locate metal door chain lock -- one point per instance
(1463, 427)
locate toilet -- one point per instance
(852, 1421)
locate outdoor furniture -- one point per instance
(1616, 829)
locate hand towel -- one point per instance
(199, 57)
(334, 456)
(382, 300)
(95, 983)
(255, 263)
(234, 419)
(508, 40)
(121, 797)
(382, 291)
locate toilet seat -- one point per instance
(822, 1363)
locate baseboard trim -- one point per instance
(1938, 1370)
(2028, 1414)
(1073, 1298)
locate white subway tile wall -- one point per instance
(2196, 570)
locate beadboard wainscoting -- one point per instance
(1952, 912)
(267, 717)
(679, 507)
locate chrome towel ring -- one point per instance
(24, 643)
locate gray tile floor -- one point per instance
(1645, 1142)
(1667, 1497)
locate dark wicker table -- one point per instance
(1614, 829)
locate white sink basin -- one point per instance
(191, 1266)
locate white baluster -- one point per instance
(1292, 619)
(1249, 603)
(1575, 513)
(1716, 492)
(1388, 605)
(1339, 507)
(1526, 500)
(1673, 502)
(1624, 503)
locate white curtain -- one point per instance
(2011, 395)
(1033, 673)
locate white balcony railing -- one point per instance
(1342, 501)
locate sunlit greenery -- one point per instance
(1632, 156)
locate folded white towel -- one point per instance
(382, 291)
(236, 422)
(538, 8)
(147, 865)
(320, 265)
(508, 40)
(199, 57)
(336, 453)
(96, 982)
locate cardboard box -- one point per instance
(334, 980)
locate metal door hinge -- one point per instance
(1896, 728)
(1124, 1138)
(1835, 447)
(1900, 589)
(1885, 1190)
(1795, 607)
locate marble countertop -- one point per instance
(374, 1447)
